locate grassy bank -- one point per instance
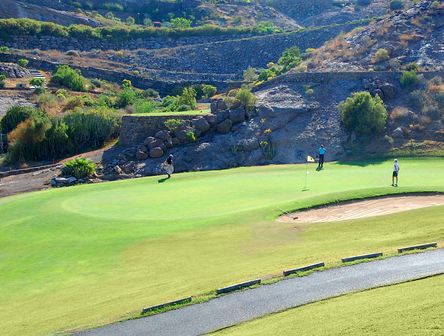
(88, 255)
(412, 308)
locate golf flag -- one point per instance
(310, 159)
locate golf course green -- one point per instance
(410, 309)
(83, 256)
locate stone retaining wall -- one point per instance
(135, 129)
(87, 44)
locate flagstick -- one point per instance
(306, 177)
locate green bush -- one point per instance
(363, 114)
(409, 80)
(79, 168)
(180, 23)
(191, 136)
(16, 115)
(144, 106)
(381, 55)
(246, 98)
(290, 59)
(37, 82)
(91, 128)
(126, 97)
(25, 141)
(209, 90)
(23, 62)
(188, 97)
(173, 124)
(38, 136)
(68, 77)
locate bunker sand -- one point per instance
(362, 209)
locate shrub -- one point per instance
(191, 136)
(173, 124)
(246, 98)
(250, 75)
(126, 83)
(184, 108)
(180, 23)
(188, 97)
(409, 80)
(290, 58)
(130, 20)
(23, 62)
(144, 106)
(381, 55)
(396, 4)
(125, 98)
(37, 82)
(363, 113)
(91, 128)
(16, 115)
(26, 139)
(79, 168)
(209, 90)
(150, 93)
(4, 49)
(70, 78)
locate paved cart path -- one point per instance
(242, 306)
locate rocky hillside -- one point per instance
(412, 36)
(26, 9)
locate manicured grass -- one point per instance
(413, 308)
(88, 255)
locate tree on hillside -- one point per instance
(290, 58)
(363, 114)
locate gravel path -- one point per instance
(242, 306)
(364, 208)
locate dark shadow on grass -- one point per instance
(162, 180)
(362, 163)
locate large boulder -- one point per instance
(211, 119)
(224, 127)
(156, 152)
(218, 105)
(237, 115)
(152, 142)
(201, 125)
(388, 91)
(222, 115)
(163, 135)
(141, 155)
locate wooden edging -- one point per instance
(303, 269)
(165, 305)
(417, 247)
(238, 286)
(363, 256)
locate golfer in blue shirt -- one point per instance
(322, 151)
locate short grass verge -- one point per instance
(412, 309)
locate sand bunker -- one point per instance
(362, 209)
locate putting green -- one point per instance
(88, 255)
(410, 309)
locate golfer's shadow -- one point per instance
(318, 168)
(162, 180)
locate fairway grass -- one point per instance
(83, 256)
(410, 309)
